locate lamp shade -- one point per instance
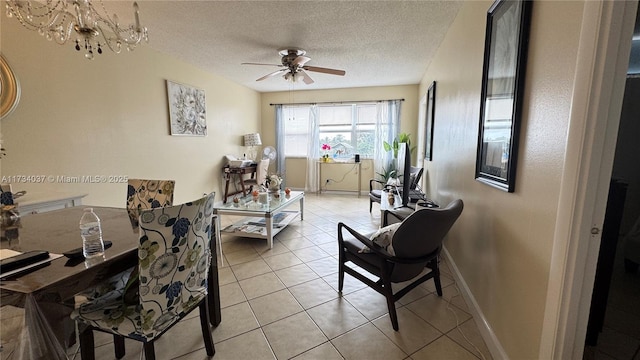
(252, 139)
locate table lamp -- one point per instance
(251, 141)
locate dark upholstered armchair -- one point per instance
(416, 245)
(376, 186)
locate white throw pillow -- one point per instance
(383, 238)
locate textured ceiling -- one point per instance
(377, 43)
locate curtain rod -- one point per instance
(336, 102)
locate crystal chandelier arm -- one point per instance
(54, 20)
(43, 9)
(33, 17)
(116, 36)
(114, 20)
(48, 19)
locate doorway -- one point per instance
(614, 321)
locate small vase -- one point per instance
(392, 199)
(274, 188)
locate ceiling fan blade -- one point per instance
(300, 60)
(277, 72)
(325, 70)
(250, 63)
(305, 77)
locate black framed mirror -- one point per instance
(430, 113)
(505, 55)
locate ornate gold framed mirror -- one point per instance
(9, 89)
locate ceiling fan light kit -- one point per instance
(294, 68)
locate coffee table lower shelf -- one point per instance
(256, 227)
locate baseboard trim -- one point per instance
(340, 192)
(489, 337)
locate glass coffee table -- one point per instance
(262, 218)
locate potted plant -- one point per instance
(325, 156)
(401, 138)
(388, 172)
(272, 182)
(391, 170)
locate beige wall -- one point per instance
(109, 116)
(296, 168)
(502, 243)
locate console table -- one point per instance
(357, 166)
(238, 172)
(35, 203)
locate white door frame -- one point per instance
(602, 62)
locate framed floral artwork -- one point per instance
(187, 110)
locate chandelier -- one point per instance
(55, 19)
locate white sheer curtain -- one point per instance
(313, 151)
(387, 127)
(280, 144)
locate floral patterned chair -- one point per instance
(141, 194)
(147, 194)
(174, 259)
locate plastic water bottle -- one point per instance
(91, 232)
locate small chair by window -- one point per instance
(411, 247)
(261, 174)
(376, 186)
(171, 281)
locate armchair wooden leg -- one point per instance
(435, 269)
(388, 294)
(206, 330)
(87, 350)
(341, 268)
(370, 205)
(118, 343)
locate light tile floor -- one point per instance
(282, 303)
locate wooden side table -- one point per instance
(238, 172)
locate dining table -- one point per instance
(44, 296)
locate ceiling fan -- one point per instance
(293, 67)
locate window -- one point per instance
(348, 128)
(296, 130)
(357, 128)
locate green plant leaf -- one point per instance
(401, 138)
(405, 138)
(388, 172)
